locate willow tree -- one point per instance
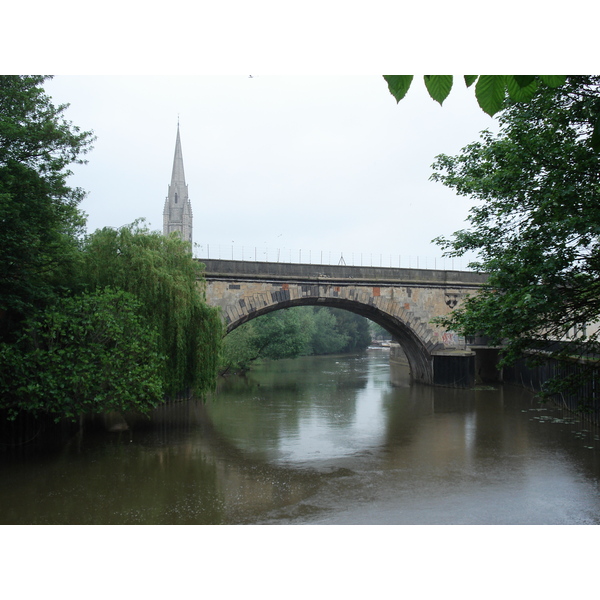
(161, 272)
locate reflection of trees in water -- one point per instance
(279, 395)
(244, 485)
(189, 464)
(174, 468)
(30, 435)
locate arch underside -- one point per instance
(416, 349)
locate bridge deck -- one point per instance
(228, 269)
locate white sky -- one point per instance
(308, 162)
(293, 165)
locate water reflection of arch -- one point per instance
(269, 487)
(416, 348)
(192, 421)
(202, 446)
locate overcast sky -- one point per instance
(296, 166)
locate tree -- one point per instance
(162, 274)
(276, 335)
(536, 226)
(238, 351)
(39, 219)
(378, 333)
(328, 337)
(297, 331)
(355, 328)
(339, 331)
(88, 353)
(113, 321)
(33, 132)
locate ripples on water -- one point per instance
(343, 440)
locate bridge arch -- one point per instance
(416, 352)
(402, 301)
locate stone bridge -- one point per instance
(402, 301)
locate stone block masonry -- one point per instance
(403, 301)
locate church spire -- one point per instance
(178, 175)
(177, 214)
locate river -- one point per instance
(321, 440)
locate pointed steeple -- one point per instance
(178, 174)
(177, 214)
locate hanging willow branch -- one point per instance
(162, 274)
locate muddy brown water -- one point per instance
(321, 440)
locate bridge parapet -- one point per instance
(296, 271)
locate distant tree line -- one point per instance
(299, 331)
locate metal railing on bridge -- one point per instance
(328, 257)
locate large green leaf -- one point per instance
(398, 85)
(438, 86)
(490, 92)
(523, 80)
(519, 92)
(553, 80)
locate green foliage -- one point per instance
(89, 353)
(34, 133)
(399, 85)
(162, 274)
(292, 332)
(38, 243)
(62, 352)
(280, 334)
(522, 88)
(39, 218)
(438, 86)
(377, 332)
(238, 351)
(491, 91)
(328, 338)
(339, 331)
(536, 224)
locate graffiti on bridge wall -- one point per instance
(449, 338)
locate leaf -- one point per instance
(518, 92)
(554, 80)
(490, 92)
(470, 79)
(523, 80)
(438, 86)
(398, 85)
